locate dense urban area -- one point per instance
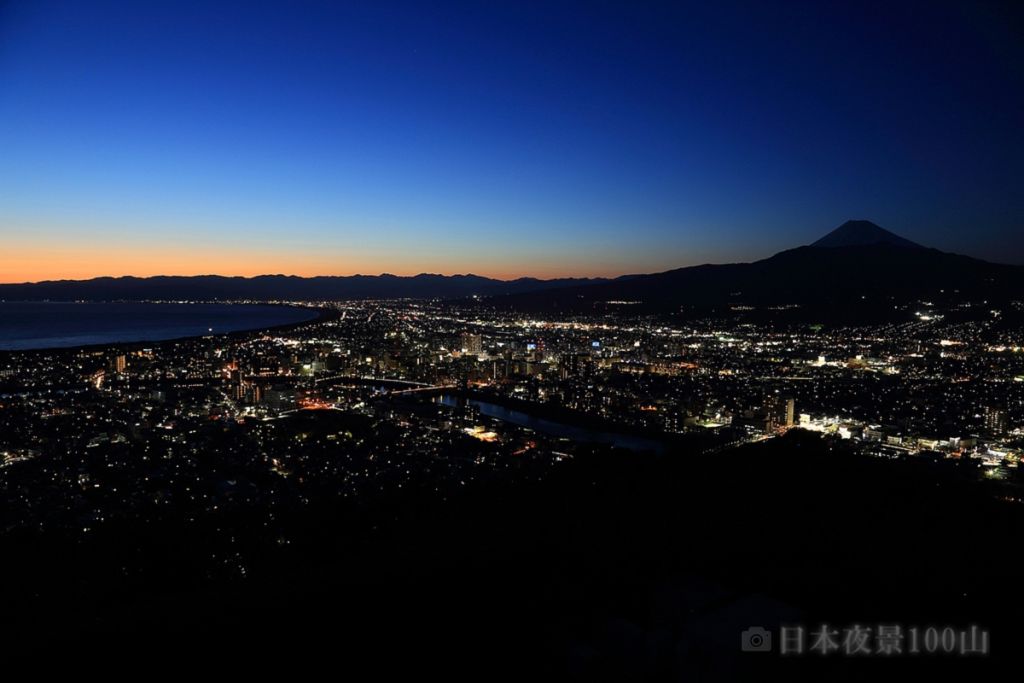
(392, 394)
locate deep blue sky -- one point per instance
(518, 138)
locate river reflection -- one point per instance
(554, 428)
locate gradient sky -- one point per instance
(500, 138)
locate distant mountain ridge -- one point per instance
(858, 265)
(279, 287)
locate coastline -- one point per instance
(323, 314)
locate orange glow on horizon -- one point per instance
(30, 263)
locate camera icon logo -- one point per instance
(756, 639)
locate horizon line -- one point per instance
(311, 277)
(499, 278)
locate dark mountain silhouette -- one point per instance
(863, 234)
(857, 267)
(278, 287)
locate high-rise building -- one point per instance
(779, 412)
(996, 421)
(120, 363)
(472, 344)
(577, 364)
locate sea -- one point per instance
(48, 325)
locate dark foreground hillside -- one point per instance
(614, 567)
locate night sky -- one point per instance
(499, 138)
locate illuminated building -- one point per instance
(996, 421)
(472, 344)
(779, 412)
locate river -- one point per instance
(555, 428)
